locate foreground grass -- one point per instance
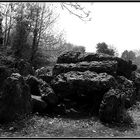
(44, 126)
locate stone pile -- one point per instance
(101, 83)
(79, 83)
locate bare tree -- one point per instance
(75, 8)
(33, 22)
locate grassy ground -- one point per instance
(44, 126)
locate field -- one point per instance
(45, 126)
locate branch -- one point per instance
(85, 14)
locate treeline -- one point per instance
(27, 30)
(132, 55)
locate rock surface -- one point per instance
(127, 89)
(96, 66)
(69, 57)
(76, 85)
(15, 99)
(39, 87)
(33, 83)
(38, 105)
(111, 107)
(116, 101)
(135, 77)
(45, 74)
(87, 83)
(124, 68)
(75, 82)
(96, 82)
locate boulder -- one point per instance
(116, 101)
(69, 57)
(124, 68)
(74, 57)
(33, 83)
(39, 87)
(75, 82)
(109, 67)
(135, 77)
(75, 85)
(48, 95)
(15, 99)
(38, 105)
(126, 88)
(44, 73)
(111, 107)
(96, 57)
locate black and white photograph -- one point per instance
(69, 69)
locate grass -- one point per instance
(45, 126)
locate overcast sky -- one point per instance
(117, 24)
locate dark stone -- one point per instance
(96, 83)
(69, 57)
(124, 68)
(111, 107)
(43, 71)
(75, 82)
(38, 105)
(116, 101)
(48, 95)
(135, 77)
(109, 67)
(39, 87)
(46, 78)
(15, 99)
(74, 57)
(45, 74)
(33, 83)
(74, 85)
(60, 109)
(126, 88)
(96, 57)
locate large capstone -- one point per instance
(69, 57)
(95, 66)
(76, 85)
(124, 68)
